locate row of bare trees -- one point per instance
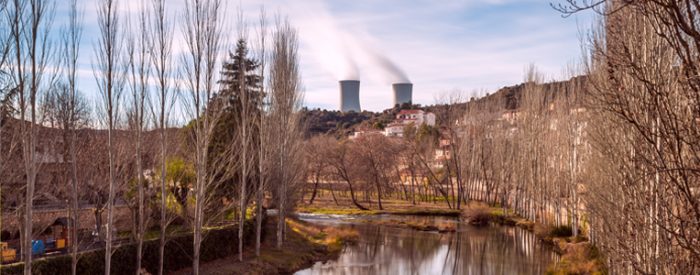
(139, 87)
(643, 190)
(528, 158)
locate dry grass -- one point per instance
(578, 258)
(324, 204)
(441, 226)
(331, 237)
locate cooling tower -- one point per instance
(403, 93)
(350, 95)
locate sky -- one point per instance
(471, 47)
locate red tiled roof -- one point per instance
(408, 112)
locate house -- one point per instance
(394, 130)
(365, 132)
(417, 117)
(406, 117)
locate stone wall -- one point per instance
(44, 218)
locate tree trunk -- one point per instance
(313, 193)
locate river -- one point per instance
(394, 250)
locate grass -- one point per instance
(578, 258)
(442, 227)
(334, 211)
(327, 206)
(354, 211)
(332, 237)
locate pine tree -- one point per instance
(239, 68)
(239, 64)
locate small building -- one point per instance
(417, 117)
(394, 130)
(366, 132)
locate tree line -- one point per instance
(643, 190)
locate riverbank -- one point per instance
(578, 255)
(441, 227)
(327, 206)
(305, 245)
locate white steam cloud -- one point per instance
(340, 51)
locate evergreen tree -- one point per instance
(239, 68)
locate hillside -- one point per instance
(341, 124)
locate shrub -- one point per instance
(562, 231)
(479, 215)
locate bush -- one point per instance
(217, 243)
(562, 231)
(479, 215)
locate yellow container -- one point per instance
(8, 255)
(60, 243)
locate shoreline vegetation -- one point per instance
(305, 244)
(578, 255)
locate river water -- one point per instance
(390, 250)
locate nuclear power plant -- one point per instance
(403, 93)
(350, 96)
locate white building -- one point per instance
(361, 133)
(394, 130)
(406, 117)
(417, 117)
(403, 118)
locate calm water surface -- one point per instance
(470, 250)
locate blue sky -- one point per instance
(473, 47)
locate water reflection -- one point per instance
(470, 250)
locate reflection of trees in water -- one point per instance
(497, 251)
(389, 250)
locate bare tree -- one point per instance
(450, 117)
(285, 100)
(161, 50)
(4, 90)
(109, 81)
(75, 116)
(202, 32)
(29, 31)
(316, 159)
(345, 168)
(263, 133)
(138, 50)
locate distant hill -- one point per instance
(341, 124)
(509, 98)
